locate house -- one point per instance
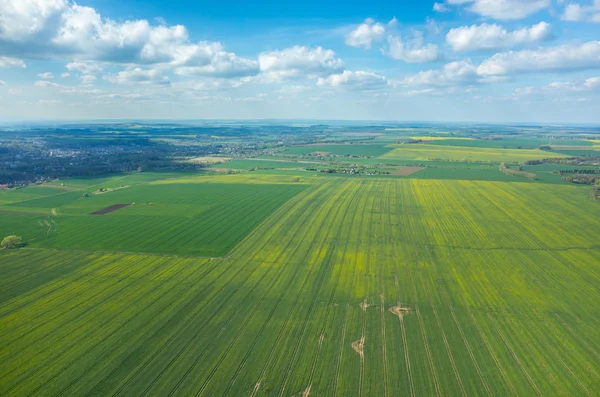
(3, 187)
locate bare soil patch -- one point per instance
(558, 147)
(364, 305)
(399, 311)
(110, 209)
(406, 171)
(359, 346)
(22, 212)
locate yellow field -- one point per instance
(440, 138)
(459, 153)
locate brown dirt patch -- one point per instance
(364, 305)
(570, 147)
(399, 311)
(22, 212)
(306, 391)
(110, 209)
(359, 346)
(406, 171)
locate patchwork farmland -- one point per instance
(253, 284)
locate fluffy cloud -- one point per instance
(503, 9)
(138, 75)
(560, 58)
(8, 62)
(440, 7)
(493, 36)
(365, 34)
(359, 80)
(502, 66)
(576, 12)
(84, 67)
(299, 62)
(413, 50)
(46, 84)
(87, 79)
(220, 64)
(58, 29)
(46, 75)
(454, 73)
(574, 87)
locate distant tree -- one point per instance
(296, 179)
(11, 242)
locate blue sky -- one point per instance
(451, 60)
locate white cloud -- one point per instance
(64, 75)
(138, 75)
(576, 12)
(87, 79)
(440, 7)
(46, 75)
(503, 9)
(413, 50)
(60, 29)
(15, 91)
(293, 89)
(493, 36)
(591, 85)
(299, 62)
(365, 34)
(218, 63)
(50, 101)
(2, 82)
(503, 66)
(84, 67)
(358, 80)
(549, 59)
(454, 73)
(46, 84)
(8, 62)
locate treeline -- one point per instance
(579, 160)
(509, 171)
(582, 179)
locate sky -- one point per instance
(532, 61)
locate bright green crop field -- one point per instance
(255, 285)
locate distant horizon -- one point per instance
(288, 120)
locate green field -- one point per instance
(457, 281)
(342, 150)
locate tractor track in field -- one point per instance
(83, 302)
(81, 338)
(66, 310)
(333, 291)
(311, 203)
(512, 352)
(298, 296)
(164, 345)
(167, 321)
(65, 283)
(201, 391)
(449, 351)
(284, 326)
(492, 354)
(589, 348)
